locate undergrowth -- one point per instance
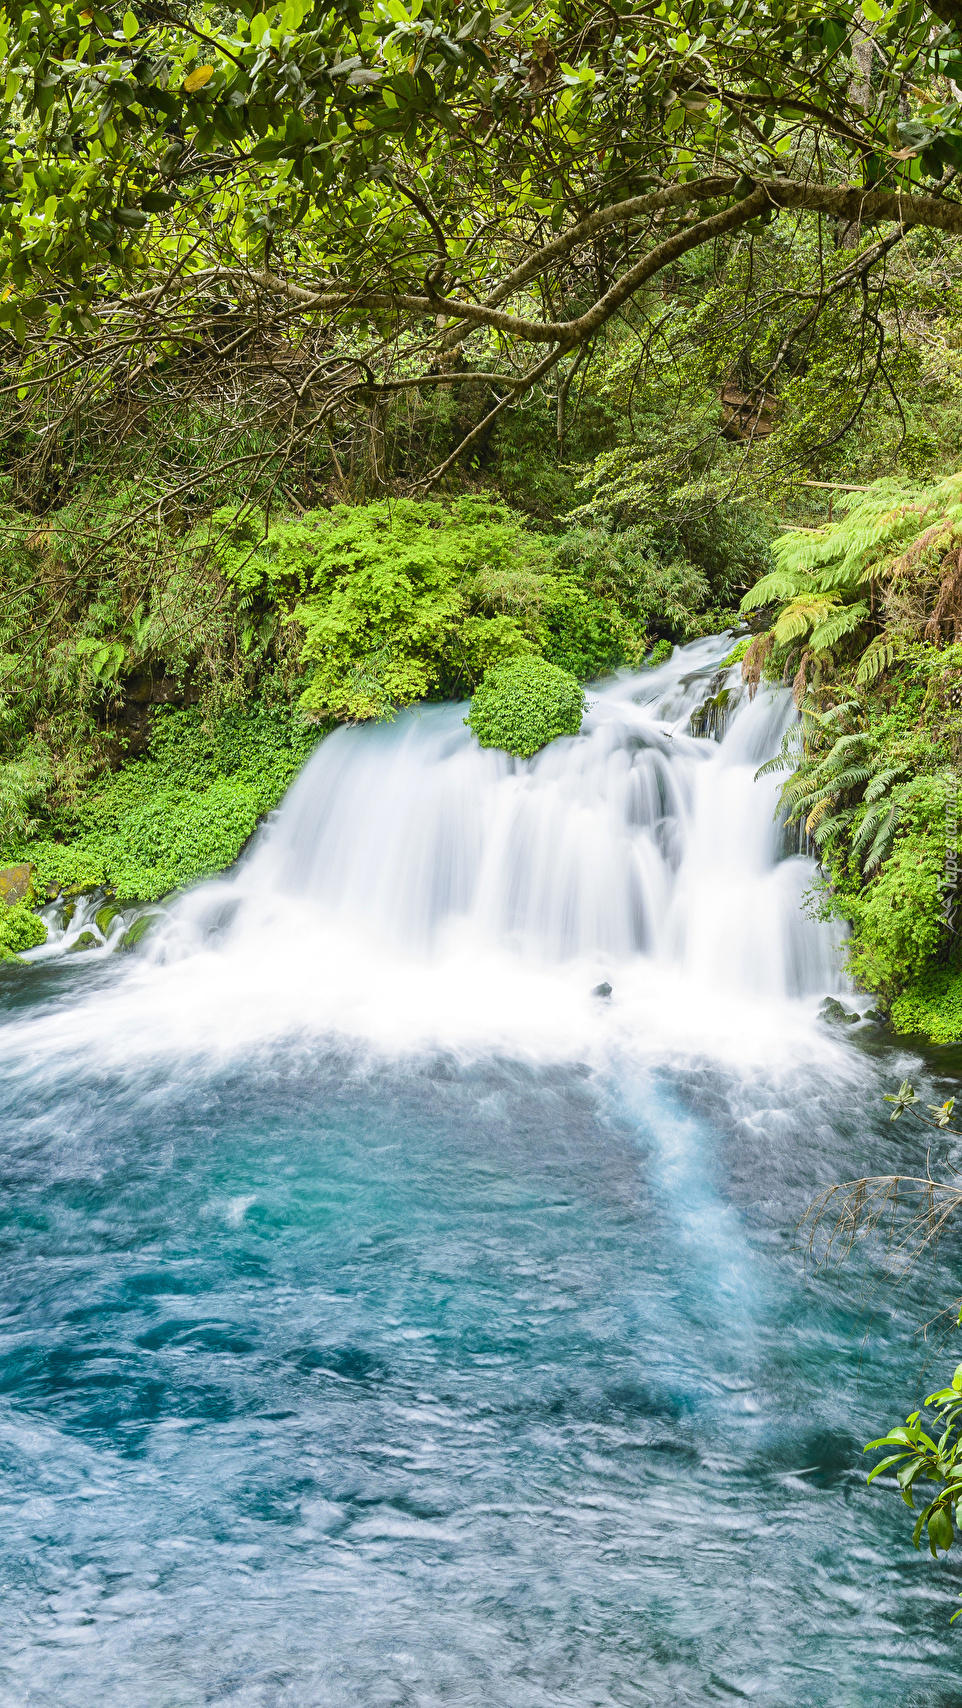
(182, 811)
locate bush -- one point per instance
(931, 1005)
(20, 929)
(525, 703)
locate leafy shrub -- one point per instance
(20, 929)
(525, 703)
(737, 653)
(932, 1005)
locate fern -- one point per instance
(844, 622)
(879, 656)
(883, 841)
(776, 589)
(882, 781)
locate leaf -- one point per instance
(941, 1533)
(131, 26)
(197, 78)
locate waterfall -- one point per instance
(415, 890)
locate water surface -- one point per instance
(386, 1320)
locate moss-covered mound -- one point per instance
(523, 704)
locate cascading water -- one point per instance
(387, 1318)
(632, 839)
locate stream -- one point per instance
(389, 1318)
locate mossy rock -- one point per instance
(86, 940)
(105, 916)
(523, 704)
(16, 883)
(138, 929)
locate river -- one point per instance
(389, 1319)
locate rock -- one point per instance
(138, 929)
(105, 916)
(86, 940)
(836, 1015)
(16, 883)
(602, 990)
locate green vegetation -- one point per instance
(183, 810)
(20, 929)
(152, 716)
(865, 619)
(523, 704)
(355, 355)
(935, 1458)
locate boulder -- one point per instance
(138, 929)
(105, 916)
(86, 940)
(16, 883)
(602, 990)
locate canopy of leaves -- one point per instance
(318, 207)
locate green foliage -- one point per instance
(737, 653)
(20, 929)
(931, 1005)
(874, 759)
(525, 703)
(389, 587)
(404, 601)
(892, 535)
(936, 1458)
(182, 812)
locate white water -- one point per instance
(414, 891)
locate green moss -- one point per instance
(522, 705)
(931, 1006)
(20, 929)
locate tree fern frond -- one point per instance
(874, 661)
(798, 617)
(840, 623)
(776, 589)
(868, 827)
(883, 841)
(881, 781)
(817, 814)
(830, 827)
(852, 778)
